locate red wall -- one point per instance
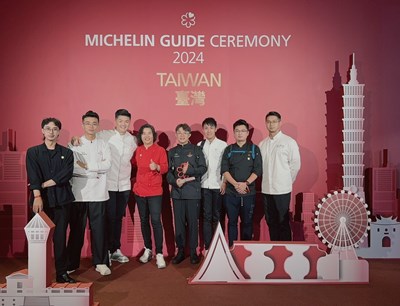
(46, 69)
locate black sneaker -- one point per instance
(178, 258)
(65, 278)
(194, 259)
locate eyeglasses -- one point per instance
(241, 131)
(273, 122)
(181, 175)
(49, 129)
(182, 133)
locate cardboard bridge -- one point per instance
(250, 262)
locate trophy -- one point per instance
(182, 176)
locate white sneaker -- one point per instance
(103, 269)
(147, 256)
(160, 261)
(118, 256)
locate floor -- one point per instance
(134, 283)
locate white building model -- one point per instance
(385, 232)
(33, 286)
(353, 134)
(385, 239)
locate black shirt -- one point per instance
(42, 165)
(241, 162)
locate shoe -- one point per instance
(118, 256)
(147, 256)
(178, 258)
(64, 278)
(194, 259)
(103, 269)
(160, 261)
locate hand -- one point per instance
(241, 188)
(180, 182)
(75, 141)
(222, 189)
(153, 166)
(82, 165)
(37, 205)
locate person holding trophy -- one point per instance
(186, 166)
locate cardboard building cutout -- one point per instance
(33, 286)
(252, 262)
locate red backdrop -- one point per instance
(46, 69)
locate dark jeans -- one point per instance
(80, 212)
(115, 209)
(186, 211)
(276, 209)
(211, 213)
(60, 216)
(243, 206)
(151, 206)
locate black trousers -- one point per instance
(115, 210)
(60, 216)
(243, 207)
(186, 211)
(80, 212)
(212, 201)
(276, 209)
(150, 208)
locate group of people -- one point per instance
(92, 180)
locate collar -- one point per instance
(43, 147)
(210, 142)
(126, 135)
(85, 140)
(118, 134)
(184, 146)
(245, 145)
(152, 146)
(277, 136)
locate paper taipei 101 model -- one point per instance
(33, 286)
(353, 134)
(385, 231)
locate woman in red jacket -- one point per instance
(151, 161)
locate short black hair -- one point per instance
(273, 113)
(184, 127)
(90, 114)
(122, 112)
(209, 121)
(241, 122)
(56, 122)
(141, 129)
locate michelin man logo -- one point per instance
(188, 20)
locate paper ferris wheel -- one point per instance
(342, 220)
